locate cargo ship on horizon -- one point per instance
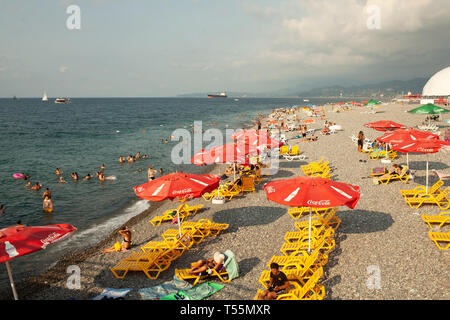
(221, 95)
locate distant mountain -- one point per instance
(386, 88)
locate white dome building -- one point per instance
(438, 85)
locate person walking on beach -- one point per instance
(151, 173)
(360, 141)
(278, 283)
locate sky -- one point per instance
(160, 48)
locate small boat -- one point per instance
(62, 100)
(236, 99)
(44, 97)
(306, 100)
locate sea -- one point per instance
(37, 137)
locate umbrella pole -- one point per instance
(16, 297)
(309, 240)
(426, 188)
(407, 159)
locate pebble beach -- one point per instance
(382, 233)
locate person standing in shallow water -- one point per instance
(151, 173)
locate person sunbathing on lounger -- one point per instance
(396, 169)
(440, 175)
(215, 263)
(125, 245)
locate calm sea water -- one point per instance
(38, 137)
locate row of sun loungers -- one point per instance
(303, 267)
(320, 168)
(184, 211)
(156, 256)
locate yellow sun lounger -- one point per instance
(441, 219)
(438, 237)
(329, 220)
(434, 189)
(169, 215)
(206, 226)
(441, 200)
(310, 169)
(295, 236)
(325, 242)
(298, 269)
(297, 212)
(257, 178)
(382, 154)
(283, 150)
(311, 290)
(152, 266)
(403, 177)
(196, 234)
(326, 173)
(185, 242)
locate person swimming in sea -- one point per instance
(58, 172)
(28, 185)
(74, 176)
(36, 186)
(61, 180)
(2, 209)
(87, 177)
(101, 176)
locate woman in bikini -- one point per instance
(126, 243)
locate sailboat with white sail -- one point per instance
(44, 97)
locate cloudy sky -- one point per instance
(154, 48)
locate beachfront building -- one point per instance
(437, 89)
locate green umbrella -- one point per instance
(372, 103)
(429, 109)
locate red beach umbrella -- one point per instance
(17, 241)
(385, 125)
(401, 135)
(249, 134)
(421, 146)
(202, 158)
(312, 192)
(177, 185)
(182, 186)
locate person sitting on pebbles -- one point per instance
(126, 243)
